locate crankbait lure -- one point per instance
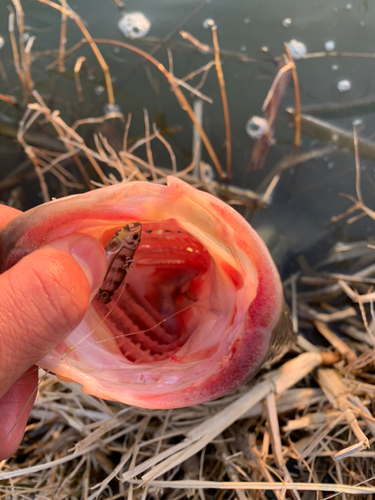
(120, 252)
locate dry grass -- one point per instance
(303, 426)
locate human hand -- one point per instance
(43, 298)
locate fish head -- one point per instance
(128, 236)
(196, 316)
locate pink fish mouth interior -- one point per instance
(172, 330)
(196, 315)
(157, 309)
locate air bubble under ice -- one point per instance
(134, 25)
(297, 49)
(329, 45)
(256, 127)
(99, 89)
(111, 108)
(208, 24)
(344, 85)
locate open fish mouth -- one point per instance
(164, 298)
(198, 313)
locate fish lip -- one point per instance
(245, 351)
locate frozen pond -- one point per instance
(251, 34)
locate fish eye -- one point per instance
(135, 237)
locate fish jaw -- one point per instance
(201, 273)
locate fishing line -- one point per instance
(148, 329)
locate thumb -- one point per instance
(43, 298)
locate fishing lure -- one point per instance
(120, 252)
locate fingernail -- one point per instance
(88, 253)
(90, 256)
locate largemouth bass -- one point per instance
(196, 316)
